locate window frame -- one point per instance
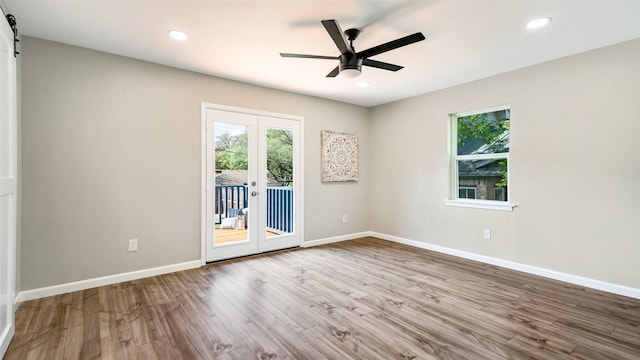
(453, 199)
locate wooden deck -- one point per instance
(360, 299)
(223, 236)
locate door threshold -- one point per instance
(252, 255)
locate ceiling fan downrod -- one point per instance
(352, 34)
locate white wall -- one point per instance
(111, 151)
(575, 175)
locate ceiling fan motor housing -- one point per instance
(350, 62)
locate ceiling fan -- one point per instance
(350, 61)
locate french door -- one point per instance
(253, 190)
(8, 183)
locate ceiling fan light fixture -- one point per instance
(538, 23)
(350, 65)
(178, 35)
(350, 73)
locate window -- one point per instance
(466, 192)
(480, 159)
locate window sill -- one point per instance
(481, 204)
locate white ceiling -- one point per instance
(242, 39)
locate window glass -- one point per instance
(485, 133)
(487, 177)
(481, 155)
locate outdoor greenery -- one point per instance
(502, 170)
(280, 156)
(231, 154)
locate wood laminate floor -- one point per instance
(360, 299)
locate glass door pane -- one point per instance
(231, 199)
(280, 186)
(279, 178)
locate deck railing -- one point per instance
(230, 198)
(279, 206)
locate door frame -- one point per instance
(203, 165)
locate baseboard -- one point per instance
(551, 274)
(335, 239)
(102, 281)
(134, 275)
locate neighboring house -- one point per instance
(478, 180)
(231, 177)
(238, 177)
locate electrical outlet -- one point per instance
(487, 234)
(344, 218)
(133, 245)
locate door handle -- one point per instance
(254, 193)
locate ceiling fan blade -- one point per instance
(394, 44)
(305, 56)
(334, 30)
(334, 72)
(381, 65)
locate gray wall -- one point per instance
(111, 151)
(575, 174)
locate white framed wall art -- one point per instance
(339, 156)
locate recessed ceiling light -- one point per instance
(178, 35)
(538, 23)
(364, 84)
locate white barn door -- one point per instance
(8, 184)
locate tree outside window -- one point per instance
(231, 154)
